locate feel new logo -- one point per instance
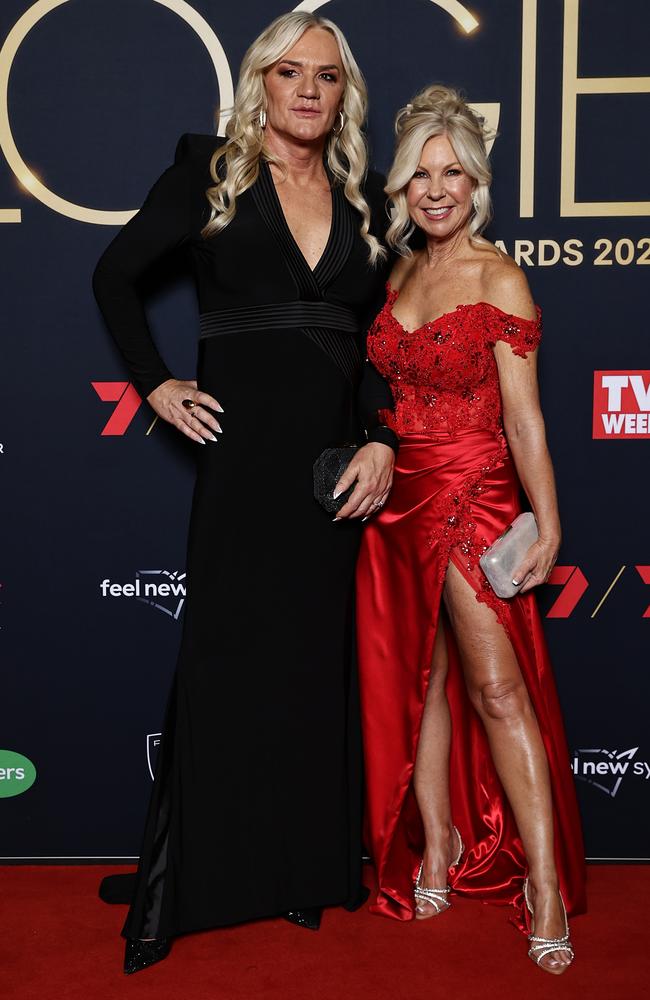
(161, 589)
(606, 769)
(17, 773)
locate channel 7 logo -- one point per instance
(128, 403)
(574, 586)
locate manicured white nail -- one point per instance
(334, 521)
(213, 438)
(515, 583)
(336, 494)
(365, 518)
(220, 409)
(202, 440)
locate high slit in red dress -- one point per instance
(455, 491)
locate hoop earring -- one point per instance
(474, 202)
(262, 118)
(337, 131)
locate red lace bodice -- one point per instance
(444, 375)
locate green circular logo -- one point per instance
(17, 773)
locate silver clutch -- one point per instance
(501, 560)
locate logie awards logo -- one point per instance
(574, 251)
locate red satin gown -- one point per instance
(455, 491)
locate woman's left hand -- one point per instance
(537, 565)
(372, 468)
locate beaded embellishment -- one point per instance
(444, 374)
(444, 377)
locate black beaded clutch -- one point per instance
(328, 469)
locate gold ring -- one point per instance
(189, 404)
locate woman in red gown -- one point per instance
(464, 741)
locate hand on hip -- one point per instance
(181, 404)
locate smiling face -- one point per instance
(439, 196)
(304, 90)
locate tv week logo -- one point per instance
(622, 404)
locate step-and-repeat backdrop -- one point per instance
(93, 97)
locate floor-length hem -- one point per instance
(256, 803)
(450, 493)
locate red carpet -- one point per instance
(58, 941)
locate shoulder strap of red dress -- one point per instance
(522, 334)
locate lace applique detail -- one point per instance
(444, 375)
(457, 529)
(500, 607)
(523, 335)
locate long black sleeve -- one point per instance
(162, 224)
(374, 390)
(374, 395)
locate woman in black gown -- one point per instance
(255, 810)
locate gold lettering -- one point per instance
(455, 8)
(554, 247)
(573, 253)
(605, 247)
(459, 12)
(524, 249)
(572, 86)
(528, 80)
(25, 175)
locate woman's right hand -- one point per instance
(197, 422)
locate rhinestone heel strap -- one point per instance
(540, 946)
(437, 897)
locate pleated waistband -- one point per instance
(277, 316)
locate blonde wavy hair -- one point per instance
(346, 151)
(438, 110)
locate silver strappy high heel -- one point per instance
(539, 946)
(437, 897)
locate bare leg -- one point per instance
(431, 778)
(499, 694)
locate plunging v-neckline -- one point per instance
(264, 165)
(310, 283)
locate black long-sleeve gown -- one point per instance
(255, 808)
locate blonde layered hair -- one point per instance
(346, 151)
(438, 110)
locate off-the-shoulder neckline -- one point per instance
(462, 305)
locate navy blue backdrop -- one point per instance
(93, 96)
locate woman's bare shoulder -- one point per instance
(505, 286)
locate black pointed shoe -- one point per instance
(139, 955)
(309, 918)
